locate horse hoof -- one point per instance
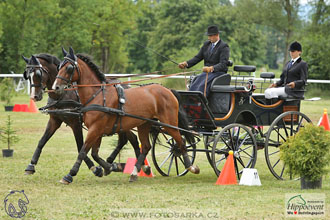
(194, 169)
(66, 180)
(29, 172)
(30, 169)
(146, 169)
(133, 178)
(63, 181)
(98, 171)
(107, 172)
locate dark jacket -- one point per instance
(298, 74)
(218, 58)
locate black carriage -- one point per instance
(234, 117)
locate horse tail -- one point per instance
(183, 119)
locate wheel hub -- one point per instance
(174, 148)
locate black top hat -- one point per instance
(295, 46)
(212, 30)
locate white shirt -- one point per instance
(294, 60)
(214, 44)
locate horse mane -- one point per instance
(88, 60)
(49, 58)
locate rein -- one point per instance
(75, 87)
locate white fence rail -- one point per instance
(25, 84)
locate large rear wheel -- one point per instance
(285, 125)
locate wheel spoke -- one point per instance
(219, 161)
(276, 163)
(248, 155)
(277, 130)
(242, 142)
(237, 138)
(165, 152)
(299, 124)
(282, 170)
(225, 142)
(236, 168)
(241, 161)
(176, 166)
(170, 166)
(275, 152)
(164, 161)
(285, 129)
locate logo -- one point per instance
(305, 205)
(15, 204)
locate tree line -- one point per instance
(137, 36)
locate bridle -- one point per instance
(74, 66)
(31, 68)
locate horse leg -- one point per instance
(135, 143)
(95, 154)
(143, 131)
(91, 140)
(78, 135)
(123, 138)
(52, 125)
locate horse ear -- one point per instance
(25, 59)
(71, 52)
(35, 61)
(64, 52)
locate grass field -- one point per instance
(89, 197)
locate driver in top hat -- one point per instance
(215, 54)
(293, 78)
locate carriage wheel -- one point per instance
(284, 126)
(241, 141)
(167, 156)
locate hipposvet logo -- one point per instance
(15, 204)
(305, 205)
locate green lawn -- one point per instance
(90, 197)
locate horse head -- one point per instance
(68, 72)
(37, 74)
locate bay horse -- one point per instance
(148, 102)
(41, 70)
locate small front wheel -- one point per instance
(241, 141)
(166, 155)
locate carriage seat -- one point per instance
(291, 98)
(244, 68)
(267, 75)
(222, 84)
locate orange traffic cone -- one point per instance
(227, 175)
(17, 108)
(33, 108)
(129, 166)
(24, 108)
(141, 173)
(324, 121)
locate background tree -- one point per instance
(174, 22)
(257, 31)
(316, 44)
(140, 58)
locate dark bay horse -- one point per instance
(41, 70)
(150, 102)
